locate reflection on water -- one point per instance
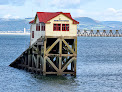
(99, 67)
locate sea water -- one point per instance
(99, 67)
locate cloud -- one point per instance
(9, 16)
(113, 14)
(112, 10)
(12, 2)
(68, 3)
(109, 14)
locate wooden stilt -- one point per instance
(75, 67)
(44, 66)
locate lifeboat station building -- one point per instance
(52, 24)
(53, 45)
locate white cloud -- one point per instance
(75, 7)
(77, 12)
(112, 10)
(9, 16)
(110, 14)
(68, 3)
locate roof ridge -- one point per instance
(46, 16)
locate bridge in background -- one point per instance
(99, 33)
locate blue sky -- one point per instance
(102, 10)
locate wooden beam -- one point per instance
(52, 54)
(51, 72)
(60, 47)
(68, 63)
(52, 46)
(60, 58)
(60, 63)
(41, 62)
(32, 63)
(76, 46)
(72, 65)
(67, 49)
(25, 66)
(65, 55)
(40, 43)
(68, 72)
(31, 68)
(65, 62)
(45, 47)
(65, 37)
(25, 59)
(35, 60)
(35, 48)
(75, 67)
(52, 64)
(26, 62)
(44, 66)
(29, 60)
(68, 46)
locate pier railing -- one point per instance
(100, 33)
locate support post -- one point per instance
(44, 66)
(60, 57)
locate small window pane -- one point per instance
(67, 25)
(57, 27)
(64, 28)
(37, 27)
(54, 28)
(44, 28)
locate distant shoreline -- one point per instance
(14, 33)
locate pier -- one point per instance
(99, 33)
(44, 57)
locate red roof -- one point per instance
(32, 21)
(46, 16)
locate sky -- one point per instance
(101, 10)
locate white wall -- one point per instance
(37, 34)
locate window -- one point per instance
(65, 27)
(37, 27)
(57, 27)
(43, 28)
(32, 34)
